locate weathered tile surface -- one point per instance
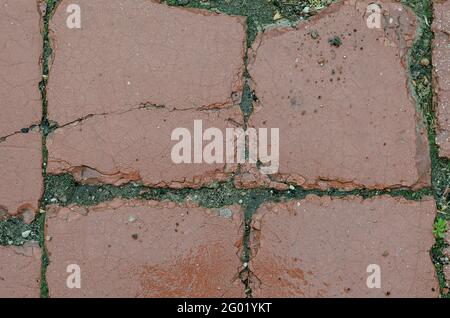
(20, 73)
(132, 249)
(21, 186)
(441, 64)
(346, 116)
(137, 69)
(136, 146)
(322, 247)
(20, 270)
(133, 52)
(157, 69)
(20, 104)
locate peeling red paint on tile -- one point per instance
(441, 70)
(189, 251)
(322, 247)
(21, 165)
(137, 146)
(133, 52)
(118, 108)
(346, 116)
(20, 270)
(20, 72)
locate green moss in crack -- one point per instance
(259, 13)
(440, 260)
(248, 97)
(46, 127)
(40, 225)
(65, 190)
(440, 228)
(421, 85)
(14, 231)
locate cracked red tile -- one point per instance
(322, 247)
(346, 116)
(165, 66)
(20, 271)
(189, 251)
(21, 166)
(136, 146)
(441, 69)
(20, 72)
(133, 52)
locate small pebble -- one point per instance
(277, 16)
(314, 34)
(424, 62)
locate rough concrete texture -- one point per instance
(441, 68)
(322, 247)
(169, 67)
(136, 146)
(338, 91)
(20, 271)
(21, 166)
(136, 249)
(20, 73)
(133, 52)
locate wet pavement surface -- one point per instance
(357, 206)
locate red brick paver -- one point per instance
(21, 165)
(145, 250)
(20, 72)
(322, 247)
(135, 146)
(441, 64)
(152, 76)
(138, 69)
(131, 52)
(345, 114)
(20, 270)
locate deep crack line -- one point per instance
(47, 8)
